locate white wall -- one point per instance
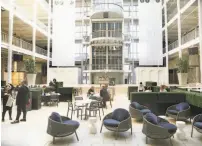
(69, 76)
(156, 74)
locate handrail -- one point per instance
(107, 33)
(22, 44)
(173, 45)
(104, 67)
(190, 35)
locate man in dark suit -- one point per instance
(21, 101)
(104, 94)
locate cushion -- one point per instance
(71, 122)
(145, 111)
(151, 118)
(170, 127)
(136, 105)
(174, 112)
(198, 125)
(120, 114)
(111, 122)
(56, 117)
(182, 106)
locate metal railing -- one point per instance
(107, 33)
(22, 44)
(190, 35)
(173, 45)
(107, 6)
(104, 67)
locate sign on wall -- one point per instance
(63, 51)
(150, 33)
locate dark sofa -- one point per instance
(158, 102)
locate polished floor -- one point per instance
(33, 132)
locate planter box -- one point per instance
(182, 78)
(31, 79)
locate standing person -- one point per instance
(7, 93)
(55, 84)
(141, 87)
(21, 101)
(104, 94)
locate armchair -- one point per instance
(197, 124)
(179, 111)
(60, 126)
(118, 121)
(157, 128)
(137, 111)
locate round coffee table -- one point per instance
(92, 127)
(180, 132)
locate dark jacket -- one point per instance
(22, 96)
(104, 94)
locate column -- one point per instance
(200, 34)
(107, 57)
(166, 39)
(179, 28)
(49, 39)
(34, 29)
(10, 40)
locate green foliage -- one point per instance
(30, 66)
(182, 65)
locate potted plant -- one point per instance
(182, 69)
(31, 71)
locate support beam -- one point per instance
(166, 40)
(34, 29)
(179, 28)
(200, 34)
(10, 40)
(48, 41)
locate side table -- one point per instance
(92, 126)
(180, 132)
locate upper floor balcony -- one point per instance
(18, 42)
(108, 33)
(107, 9)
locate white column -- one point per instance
(107, 57)
(166, 40)
(34, 29)
(200, 33)
(49, 39)
(10, 40)
(179, 28)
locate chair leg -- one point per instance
(103, 111)
(192, 130)
(76, 136)
(171, 142)
(146, 140)
(101, 128)
(116, 134)
(53, 140)
(99, 114)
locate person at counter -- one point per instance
(141, 87)
(104, 94)
(91, 91)
(7, 93)
(163, 88)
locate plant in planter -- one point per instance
(182, 68)
(31, 71)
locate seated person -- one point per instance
(148, 89)
(104, 94)
(91, 91)
(163, 88)
(141, 87)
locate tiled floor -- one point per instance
(33, 132)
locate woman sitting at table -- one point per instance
(163, 88)
(91, 91)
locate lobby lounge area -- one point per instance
(101, 72)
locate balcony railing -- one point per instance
(105, 33)
(173, 45)
(107, 6)
(22, 44)
(104, 67)
(190, 35)
(172, 14)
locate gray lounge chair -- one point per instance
(137, 111)
(118, 121)
(157, 128)
(60, 126)
(197, 124)
(180, 112)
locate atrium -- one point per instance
(101, 72)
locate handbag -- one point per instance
(10, 101)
